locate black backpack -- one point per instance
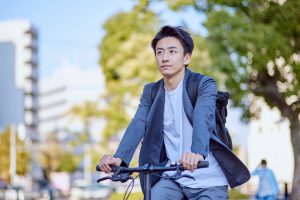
(221, 111)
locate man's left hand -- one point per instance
(190, 160)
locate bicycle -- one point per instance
(122, 174)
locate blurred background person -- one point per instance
(268, 186)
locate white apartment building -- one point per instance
(68, 86)
(19, 77)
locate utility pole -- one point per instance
(87, 160)
(12, 166)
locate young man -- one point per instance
(268, 187)
(174, 131)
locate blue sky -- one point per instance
(72, 30)
(67, 29)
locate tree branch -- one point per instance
(266, 87)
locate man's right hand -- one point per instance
(106, 161)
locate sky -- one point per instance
(72, 30)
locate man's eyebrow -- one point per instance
(170, 47)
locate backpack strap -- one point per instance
(221, 113)
(155, 90)
(192, 85)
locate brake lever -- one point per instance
(104, 178)
(178, 175)
(121, 177)
(117, 177)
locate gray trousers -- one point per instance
(169, 189)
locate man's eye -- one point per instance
(172, 51)
(158, 52)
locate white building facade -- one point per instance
(19, 77)
(68, 86)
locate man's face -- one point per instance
(170, 56)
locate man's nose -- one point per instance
(165, 57)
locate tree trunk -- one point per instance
(295, 137)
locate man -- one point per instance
(174, 131)
(268, 187)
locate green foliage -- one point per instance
(68, 162)
(201, 61)
(22, 155)
(128, 63)
(54, 158)
(133, 196)
(179, 4)
(85, 112)
(255, 42)
(235, 195)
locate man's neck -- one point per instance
(172, 82)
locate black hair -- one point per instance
(177, 32)
(263, 162)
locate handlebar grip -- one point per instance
(98, 168)
(202, 164)
(113, 168)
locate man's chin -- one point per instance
(164, 72)
(166, 75)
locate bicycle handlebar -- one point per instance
(151, 169)
(123, 174)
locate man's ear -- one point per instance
(187, 58)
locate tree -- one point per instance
(128, 62)
(86, 112)
(54, 158)
(22, 155)
(258, 44)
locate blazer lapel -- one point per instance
(187, 105)
(154, 128)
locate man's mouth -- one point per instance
(165, 66)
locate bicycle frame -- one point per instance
(147, 170)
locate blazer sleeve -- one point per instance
(204, 115)
(136, 129)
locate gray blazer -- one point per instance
(147, 126)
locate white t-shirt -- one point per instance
(178, 139)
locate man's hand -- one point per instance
(190, 160)
(106, 161)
